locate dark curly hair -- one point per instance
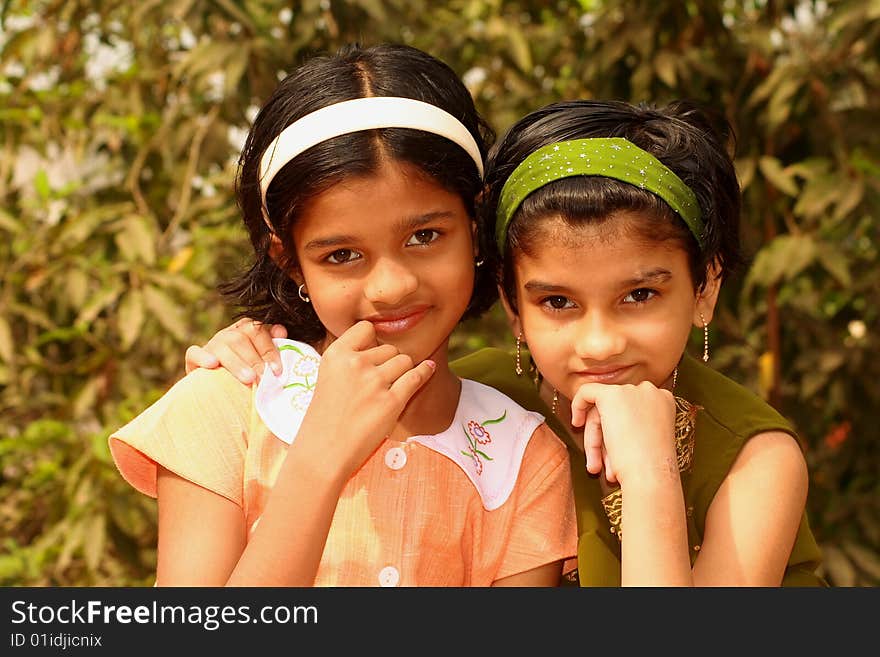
(688, 139)
(266, 292)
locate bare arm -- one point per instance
(753, 520)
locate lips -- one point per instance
(399, 320)
(617, 374)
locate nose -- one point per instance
(389, 282)
(598, 338)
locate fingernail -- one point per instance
(247, 374)
(276, 368)
(431, 364)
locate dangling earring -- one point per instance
(479, 262)
(518, 367)
(705, 339)
(555, 401)
(303, 294)
(674, 378)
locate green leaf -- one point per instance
(94, 540)
(779, 177)
(835, 263)
(784, 258)
(130, 318)
(135, 240)
(664, 65)
(745, 171)
(99, 302)
(167, 313)
(497, 419)
(41, 184)
(7, 345)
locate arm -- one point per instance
(753, 520)
(628, 433)
(358, 379)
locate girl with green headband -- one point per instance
(615, 226)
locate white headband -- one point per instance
(356, 115)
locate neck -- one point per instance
(431, 409)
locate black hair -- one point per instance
(688, 139)
(266, 292)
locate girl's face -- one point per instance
(598, 305)
(393, 248)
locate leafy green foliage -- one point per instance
(120, 128)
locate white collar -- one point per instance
(486, 439)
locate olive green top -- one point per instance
(730, 415)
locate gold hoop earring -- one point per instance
(518, 366)
(303, 294)
(705, 339)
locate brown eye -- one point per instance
(557, 302)
(342, 255)
(639, 295)
(424, 236)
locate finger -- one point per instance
(197, 357)
(267, 350)
(586, 397)
(231, 360)
(593, 442)
(409, 383)
(610, 474)
(278, 331)
(394, 368)
(382, 354)
(358, 337)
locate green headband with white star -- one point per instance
(610, 157)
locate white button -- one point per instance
(389, 576)
(395, 458)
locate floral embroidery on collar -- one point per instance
(477, 434)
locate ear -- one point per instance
(708, 296)
(512, 318)
(276, 252)
(475, 239)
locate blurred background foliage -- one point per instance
(121, 123)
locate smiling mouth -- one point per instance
(399, 321)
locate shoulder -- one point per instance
(198, 429)
(727, 404)
(217, 385)
(772, 455)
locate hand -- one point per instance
(362, 389)
(243, 348)
(628, 429)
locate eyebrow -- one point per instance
(405, 224)
(654, 276)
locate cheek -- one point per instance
(334, 305)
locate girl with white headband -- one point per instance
(365, 461)
(615, 226)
